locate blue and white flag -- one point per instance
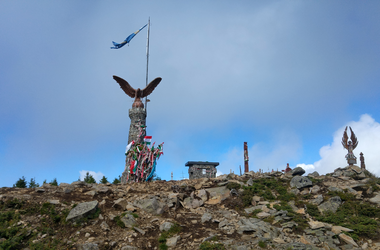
(127, 40)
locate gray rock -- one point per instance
(314, 174)
(250, 182)
(331, 205)
(206, 217)
(259, 227)
(104, 226)
(152, 206)
(335, 189)
(298, 171)
(300, 182)
(139, 230)
(128, 220)
(82, 210)
(375, 199)
(190, 202)
(300, 246)
(78, 183)
(172, 242)
(318, 200)
(89, 246)
(315, 189)
(120, 204)
(129, 248)
(166, 226)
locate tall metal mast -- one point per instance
(147, 63)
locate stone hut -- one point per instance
(201, 169)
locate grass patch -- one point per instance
(360, 217)
(165, 235)
(233, 185)
(211, 246)
(262, 244)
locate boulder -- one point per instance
(217, 194)
(250, 182)
(206, 217)
(314, 174)
(318, 200)
(300, 182)
(152, 205)
(120, 204)
(88, 246)
(128, 220)
(347, 239)
(331, 205)
(172, 242)
(166, 226)
(298, 171)
(82, 210)
(375, 199)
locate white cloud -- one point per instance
(306, 167)
(286, 148)
(367, 130)
(97, 176)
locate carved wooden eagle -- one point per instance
(353, 138)
(137, 93)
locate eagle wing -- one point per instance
(354, 139)
(151, 86)
(124, 85)
(345, 139)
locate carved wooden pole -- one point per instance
(246, 168)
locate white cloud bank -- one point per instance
(97, 176)
(367, 130)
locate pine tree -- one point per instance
(116, 181)
(32, 183)
(54, 182)
(89, 178)
(104, 180)
(21, 183)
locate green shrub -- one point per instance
(33, 184)
(211, 246)
(233, 185)
(89, 178)
(54, 182)
(262, 244)
(21, 183)
(104, 180)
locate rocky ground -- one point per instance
(254, 211)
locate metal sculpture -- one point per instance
(350, 146)
(137, 93)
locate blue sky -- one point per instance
(284, 76)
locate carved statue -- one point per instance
(137, 93)
(350, 146)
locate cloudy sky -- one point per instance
(284, 76)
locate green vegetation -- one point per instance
(104, 180)
(54, 182)
(21, 183)
(165, 235)
(211, 246)
(33, 184)
(360, 217)
(262, 244)
(117, 180)
(233, 185)
(266, 188)
(89, 178)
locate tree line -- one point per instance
(22, 183)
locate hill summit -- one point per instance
(253, 211)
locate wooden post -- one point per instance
(246, 159)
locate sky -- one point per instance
(286, 77)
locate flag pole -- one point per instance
(147, 63)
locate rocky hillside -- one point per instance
(253, 211)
